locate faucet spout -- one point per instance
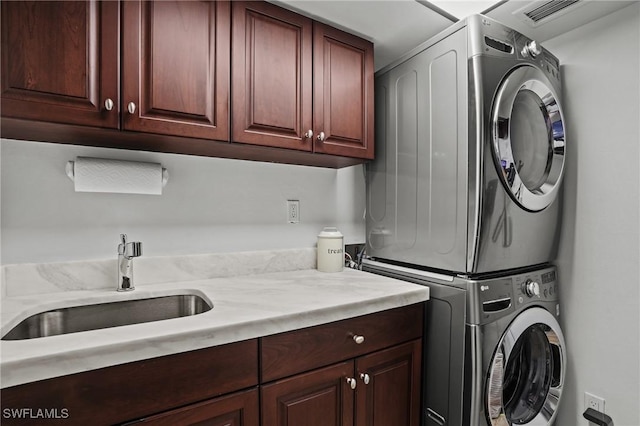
(127, 251)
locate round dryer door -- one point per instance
(528, 137)
(526, 374)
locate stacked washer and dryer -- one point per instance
(464, 197)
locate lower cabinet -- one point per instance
(238, 409)
(378, 389)
(356, 372)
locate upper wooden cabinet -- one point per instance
(272, 81)
(193, 73)
(63, 59)
(176, 68)
(300, 84)
(60, 61)
(343, 107)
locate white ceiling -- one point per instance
(394, 26)
(397, 26)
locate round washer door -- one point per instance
(526, 374)
(528, 137)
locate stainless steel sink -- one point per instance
(106, 315)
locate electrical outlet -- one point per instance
(593, 401)
(293, 211)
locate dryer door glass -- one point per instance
(528, 138)
(526, 374)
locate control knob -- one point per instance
(531, 49)
(531, 288)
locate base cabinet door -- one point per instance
(318, 398)
(238, 409)
(388, 390)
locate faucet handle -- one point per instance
(129, 250)
(134, 249)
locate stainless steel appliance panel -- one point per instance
(470, 151)
(417, 186)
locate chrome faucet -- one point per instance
(126, 253)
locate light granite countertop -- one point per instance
(244, 307)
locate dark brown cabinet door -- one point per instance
(239, 409)
(176, 68)
(272, 76)
(343, 93)
(60, 61)
(388, 390)
(318, 398)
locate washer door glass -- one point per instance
(526, 373)
(528, 138)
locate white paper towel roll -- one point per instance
(129, 177)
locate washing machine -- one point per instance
(494, 352)
(470, 153)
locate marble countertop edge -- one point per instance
(245, 307)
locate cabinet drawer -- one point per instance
(129, 391)
(301, 350)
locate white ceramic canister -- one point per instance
(330, 250)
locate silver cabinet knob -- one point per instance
(358, 339)
(365, 378)
(108, 104)
(352, 382)
(131, 107)
(321, 137)
(309, 134)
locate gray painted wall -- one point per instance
(209, 205)
(599, 254)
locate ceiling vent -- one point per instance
(540, 12)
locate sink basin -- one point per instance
(106, 315)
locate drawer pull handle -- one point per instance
(131, 107)
(308, 134)
(365, 378)
(352, 382)
(108, 104)
(358, 339)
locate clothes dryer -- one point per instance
(494, 352)
(470, 147)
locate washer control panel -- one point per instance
(540, 285)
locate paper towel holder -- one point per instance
(69, 170)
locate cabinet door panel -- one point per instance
(392, 396)
(176, 68)
(318, 398)
(239, 409)
(271, 82)
(343, 93)
(60, 61)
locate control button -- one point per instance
(545, 293)
(531, 49)
(551, 290)
(520, 299)
(531, 288)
